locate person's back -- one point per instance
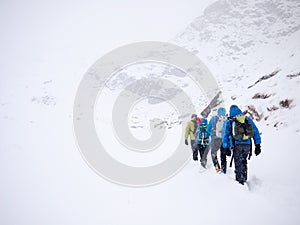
(216, 123)
(215, 129)
(203, 141)
(202, 134)
(190, 131)
(198, 120)
(242, 143)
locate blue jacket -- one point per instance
(227, 130)
(213, 121)
(202, 136)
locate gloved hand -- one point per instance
(186, 142)
(226, 151)
(257, 150)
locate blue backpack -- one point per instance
(202, 134)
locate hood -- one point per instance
(221, 111)
(234, 110)
(193, 116)
(204, 121)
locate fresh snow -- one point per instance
(46, 49)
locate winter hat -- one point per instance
(194, 116)
(234, 110)
(221, 111)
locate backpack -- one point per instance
(242, 129)
(219, 126)
(203, 137)
(199, 120)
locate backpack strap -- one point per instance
(231, 132)
(233, 141)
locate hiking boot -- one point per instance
(203, 164)
(223, 169)
(218, 169)
(241, 182)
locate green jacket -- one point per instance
(190, 130)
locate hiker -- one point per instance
(198, 120)
(202, 141)
(241, 129)
(214, 128)
(190, 131)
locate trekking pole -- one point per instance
(231, 161)
(250, 153)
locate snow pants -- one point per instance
(194, 150)
(215, 146)
(223, 157)
(203, 150)
(240, 154)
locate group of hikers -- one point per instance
(231, 134)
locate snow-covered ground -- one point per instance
(45, 50)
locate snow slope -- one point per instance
(44, 179)
(242, 41)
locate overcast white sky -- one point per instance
(65, 37)
(107, 24)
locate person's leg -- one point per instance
(201, 150)
(216, 144)
(240, 161)
(213, 152)
(223, 161)
(205, 150)
(237, 162)
(244, 167)
(194, 150)
(202, 155)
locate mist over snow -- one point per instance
(251, 47)
(241, 42)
